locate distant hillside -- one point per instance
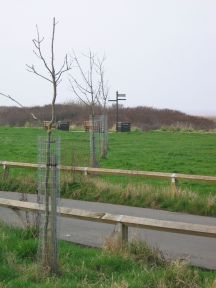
(145, 118)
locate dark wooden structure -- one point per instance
(63, 125)
(123, 126)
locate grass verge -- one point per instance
(138, 194)
(135, 266)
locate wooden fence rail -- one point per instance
(174, 177)
(123, 220)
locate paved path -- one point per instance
(200, 251)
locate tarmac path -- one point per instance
(200, 251)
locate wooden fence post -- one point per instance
(6, 171)
(124, 235)
(174, 182)
(85, 171)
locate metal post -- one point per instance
(117, 106)
(117, 112)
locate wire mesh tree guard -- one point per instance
(98, 129)
(49, 195)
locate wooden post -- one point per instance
(85, 171)
(6, 171)
(124, 235)
(174, 184)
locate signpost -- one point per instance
(119, 97)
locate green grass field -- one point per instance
(135, 267)
(192, 153)
(189, 153)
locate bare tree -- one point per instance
(54, 76)
(90, 90)
(103, 97)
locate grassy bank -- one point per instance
(136, 266)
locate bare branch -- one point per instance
(58, 82)
(33, 116)
(63, 65)
(37, 43)
(32, 70)
(80, 69)
(19, 104)
(12, 99)
(95, 91)
(81, 91)
(79, 85)
(98, 93)
(54, 78)
(52, 48)
(77, 94)
(104, 86)
(36, 54)
(91, 75)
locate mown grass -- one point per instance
(176, 152)
(135, 266)
(21, 144)
(192, 153)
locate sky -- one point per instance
(161, 54)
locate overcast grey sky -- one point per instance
(161, 53)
